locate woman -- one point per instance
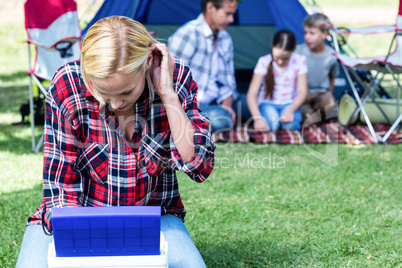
(118, 124)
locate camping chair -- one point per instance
(53, 29)
(390, 64)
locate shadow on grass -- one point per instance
(12, 97)
(19, 75)
(249, 252)
(17, 138)
(15, 208)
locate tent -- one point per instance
(255, 22)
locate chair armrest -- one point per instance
(363, 30)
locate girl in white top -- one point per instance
(279, 86)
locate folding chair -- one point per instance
(390, 64)
(53, 29)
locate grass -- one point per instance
(275, 206)
(304, 213)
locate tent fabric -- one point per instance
(110, 8)
(287, 14)
(254, 23)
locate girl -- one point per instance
(279, 86)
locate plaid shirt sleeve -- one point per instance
(62, 184)
(200, 165)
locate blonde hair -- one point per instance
(115, 44)
(317, 20)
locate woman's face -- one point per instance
(121, 91)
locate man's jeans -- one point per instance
(221, 119)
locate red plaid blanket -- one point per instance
(331, 132)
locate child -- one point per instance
(322, 66)
(279, 86)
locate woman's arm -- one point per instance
(180, 126)
(191, 144)
(62, 184)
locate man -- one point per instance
(207, 48)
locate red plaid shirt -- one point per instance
(89, 162)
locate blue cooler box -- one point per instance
(106, 231)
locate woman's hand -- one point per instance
(182, 130)
(162, 70)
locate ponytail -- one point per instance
(269, 81)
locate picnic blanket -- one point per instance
(329, 132)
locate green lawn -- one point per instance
(275, 205)
(263, 205)
(300, 212)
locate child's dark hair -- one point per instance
(283, 39)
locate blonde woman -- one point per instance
(118, 124)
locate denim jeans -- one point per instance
(181, 250)
(221, 119)
(272, 114)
